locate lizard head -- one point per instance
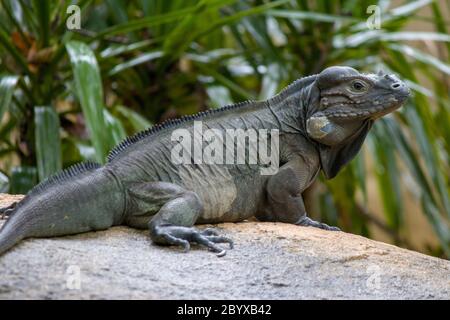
(348, 98)
(348, 103)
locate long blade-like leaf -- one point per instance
(138, 122)
(22, 180)
(48, 144)
(7, 85)
(136, 61)
(307, 15)
(42, 8)
(115, 127)
(421, 56)
(90, 94)
(156, 20)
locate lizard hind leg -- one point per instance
(178, 211)
(173, 225)
(5, 212)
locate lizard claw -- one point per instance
(186, 247)
(4, 215)
(5, 212)
(182, 236)
(222, 253)
(308, 222)
(332, 228)
(221, 239)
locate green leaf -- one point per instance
(387, 173)
(422, 57)
(219, 96)
(7, 44)
(90, 94)
(153, 20)
(42, 8)
(138, 122)
(48, 143)
(428, 150)
(360, 171)
(409, 8)
(115, 127)
(239, 15)
(270, 82)
(136, 61)
(7, 85)
(23, 179)
(178, 39)
(14, 13)
(118, 9)
(225, 81)
(308, 15)
(364, 37)
(426, 196)
(112, 51)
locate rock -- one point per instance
(270, 261)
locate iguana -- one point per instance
(322, 122)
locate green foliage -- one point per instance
(90, 94)
(48, 143)
(7, 84)
(140, 62)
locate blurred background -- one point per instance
(74, 81)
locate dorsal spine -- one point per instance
(170, 123)
(67, 174)
(174, 122)
(60, 177)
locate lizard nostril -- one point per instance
(395, 85)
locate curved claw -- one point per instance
(331, 228)
(308, 222)
(182, 236)
(186, 247)
(221, 239)
(324, 226)
(5, 212)
(222, 253)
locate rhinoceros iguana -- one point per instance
(321, 121)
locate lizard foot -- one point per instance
(5, 212)
(308, 222)
(183, 236)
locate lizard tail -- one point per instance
(10, 235)
(85, 197)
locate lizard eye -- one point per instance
(358, 86)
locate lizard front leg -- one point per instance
(177, 211)
(284, 200)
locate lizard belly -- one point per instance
(213, 184)
(219, 191)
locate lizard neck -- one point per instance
(290, 112)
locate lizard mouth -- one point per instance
(365, 109)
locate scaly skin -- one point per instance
(322, 121)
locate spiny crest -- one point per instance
(60, 177)
(169, 124)
(66, 175)
(293, 87)
(174, 122)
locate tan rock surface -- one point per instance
(270, 261)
